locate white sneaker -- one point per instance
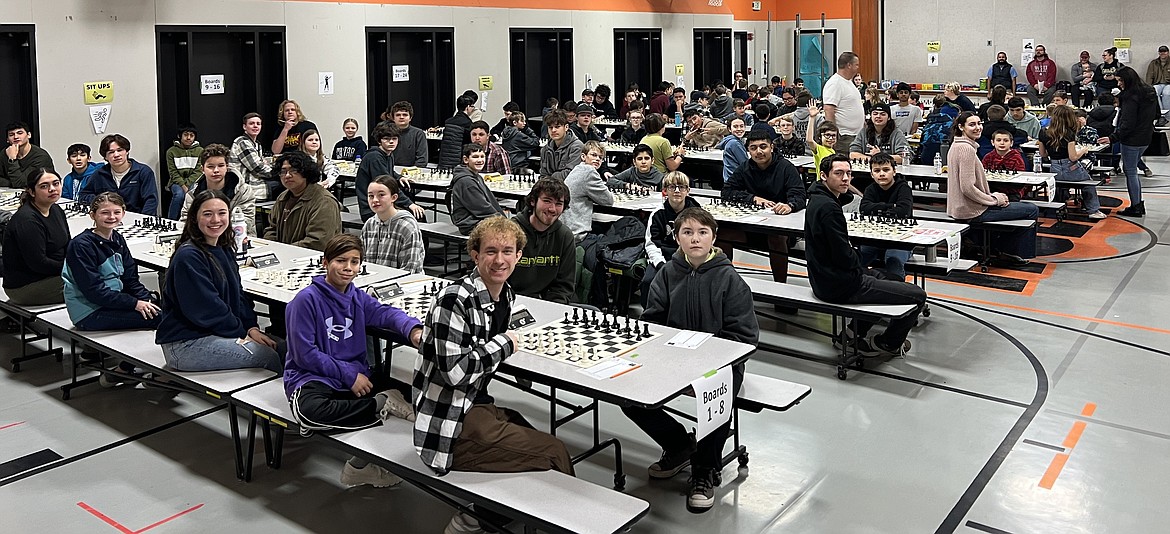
(462, 523)
(1097, 215)
(370, 474)
(395, 406)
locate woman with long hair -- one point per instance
(1058, 142)
(970, 199)
(1135, 128)
(35, 243)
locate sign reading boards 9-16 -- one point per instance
(211, 84)
(98, 92)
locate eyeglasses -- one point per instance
(288, 172)
(677, 188)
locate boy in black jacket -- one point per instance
(697, 289)
(835, 273)
(888, 196)
(660, 243)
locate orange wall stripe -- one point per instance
(738, 9)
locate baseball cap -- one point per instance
(1163, 48)
(882, 107)
(696, 95)
(585, 109)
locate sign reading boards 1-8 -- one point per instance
(98, 92)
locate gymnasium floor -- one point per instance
(1033, 411)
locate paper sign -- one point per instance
(1121, 42)
(679, 69)
(932, 59)
(1025, 58)
(688, 339)
(325, 83)
(954, 247)
(933, 46)
(1123, 55)
(681, 81)
(98, 92)
(401, 73)
(485, 83)
(99, 116)
(610, 368)
(713, 397)
(1029, 45)
(211, 84)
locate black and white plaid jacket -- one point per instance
(456, 360)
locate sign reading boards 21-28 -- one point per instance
(98, 92)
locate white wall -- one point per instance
(90, 40)
(1065, 27)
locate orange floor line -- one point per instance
(1074, 435)
(1053, 471)
(1088, 410)
(1052, 313)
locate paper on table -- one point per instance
(610, 369)
(688, 339)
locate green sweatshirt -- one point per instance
(183, 164)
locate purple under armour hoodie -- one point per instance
(327, 334)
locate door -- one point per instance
(637, 58)
(741, 59)
(541, 67)
(412, 64)
(251, 62)
(816, 54)
(712, 57)
(18, 78)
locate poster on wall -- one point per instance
(1123, 55)
(1025, 58)
(98, 92)
(211, 84)
(99, 116)
(325, 83)
(1029, 45)
(932, 59)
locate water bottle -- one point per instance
(357, 160)
(938, 163)
(1037, 163)
(240, 227)
(678, 119)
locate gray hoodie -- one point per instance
(1028, 124)
(721, 107)
(471, 200)
(586, 188)
(558, 161)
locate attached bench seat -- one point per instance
(802, 297)
(547, 500)
(138, 346)
(25, 317)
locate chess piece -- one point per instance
(566, 317)
(574, 315)
(646, 329)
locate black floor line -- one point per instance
(985, 528)
(975, 489)
(1042, 445)
(1054, 325)
(833, 363)
(28, 461)
(1150, 245)
(108, 446)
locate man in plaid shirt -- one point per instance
(246, 159)
(465, 339)
(497, 157)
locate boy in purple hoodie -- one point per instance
(326, 376)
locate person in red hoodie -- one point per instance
(1005, 158)
(1041, 72)
(660, 99)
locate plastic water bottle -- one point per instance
(938, 163)
(1037, 163)
(357, 160)
(240, 227)
(678, 119)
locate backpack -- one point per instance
(620, 251)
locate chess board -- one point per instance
(887, 228)
(859, 165)
(427, 176)
(734, 211)
(289, 279)
(512, 183)
(621, 196)
(581, 344)
(418, 305)
(1001, 176)
(10, 202)
(74, 209)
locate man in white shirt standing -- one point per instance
(842, 101)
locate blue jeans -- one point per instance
(177, 198)
(1131, 158)
(1077, 171)
(894, 259)
(1022, 242)
(108, 319)
(213, 353)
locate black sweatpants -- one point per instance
(877, 287)
(672, 436)
(317, 406)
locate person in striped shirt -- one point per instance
(391, 237)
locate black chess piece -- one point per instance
(566, 317)
(645, 329)
(574, 315)
(604, 323)
(364, 271)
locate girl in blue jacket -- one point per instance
(207, 323)
(326, 374)
(102, 290)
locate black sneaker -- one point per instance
(672, 462)
(701, 496)
(881, 350)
